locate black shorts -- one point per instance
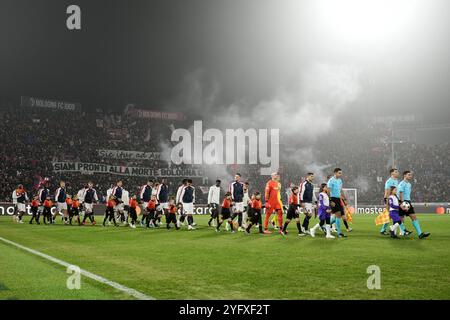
(171, 217)
(254, 215)
(214, 210)
(225, 213)
(403, 213)
(337, 207)
(292, 213)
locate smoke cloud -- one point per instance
(304, 111)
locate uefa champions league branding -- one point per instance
(230, 147)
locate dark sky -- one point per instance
(141, 51)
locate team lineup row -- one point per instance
(237, 204)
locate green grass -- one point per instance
(204, 265)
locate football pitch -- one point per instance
(203, 264)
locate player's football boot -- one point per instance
(424, 235)
(384, 233)
(393, 235)
(329, 236)
(267, 232)
(341, 235)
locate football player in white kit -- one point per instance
(246, 201)
(89, 198)
(187, 198)
(145, 196)
(60, 199)
(162, 196)
(237, 195)
(20, 197)
(307, 199)
(214, 203)
(117, 192)
(178, 202)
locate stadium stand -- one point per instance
(34, 138)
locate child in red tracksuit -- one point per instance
(109, 212)
(255, 212)
(172, 214)
(293, 213)
(133, 214)
(34, 210)
(151, 209)
(225, 213)
(47, 213)
(75, 212)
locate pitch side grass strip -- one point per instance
(118, 286)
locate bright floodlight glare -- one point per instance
(366, 21)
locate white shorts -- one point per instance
(308, 208)
(188, 208)
(89, 207)
(61, 206)
(120, 207)
(161, 206)
(21, 207)
(239, 207)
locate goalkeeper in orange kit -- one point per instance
(273, 201)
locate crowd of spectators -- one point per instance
(33, 138)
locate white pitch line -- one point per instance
(118, 286)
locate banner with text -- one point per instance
(49, 103)
(91, 168)
(123, 154)
(131, 110)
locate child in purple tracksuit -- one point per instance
(324, 212)
(394, 207)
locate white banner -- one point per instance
(48, 103)
(90, 168)
(123, 154)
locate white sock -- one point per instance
(328, 229)
(394, 227)
(317, 226)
